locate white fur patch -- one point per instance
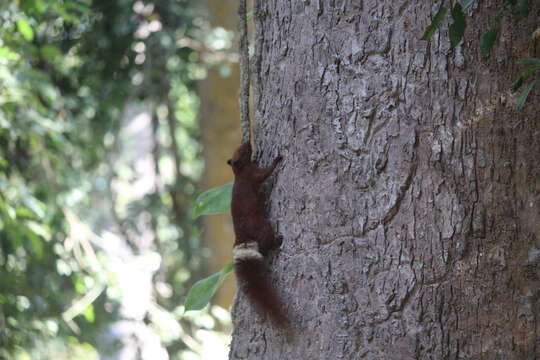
(247, 251)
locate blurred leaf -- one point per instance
(35, 205)
(529, 61)
(526, 73)
(49, 92)
(61, 9)
(522, 98)
(529, 71)
(80, 287)
(200, 294)
(213, 201)
(32, 231)
(31, 6)
(4, 50)
(50, 52)
(39, 229)
(88, 313)
(521, 9)
(7, 53)
(437, 20)
(37, 246)
(77, 6)
(23, 212)
(9, 211)
(517, 84)
(467, 4)
(14, 234)
(25, 29)
(487, 40)
(457, 28)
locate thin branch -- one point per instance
(80, 305)
(208, 55)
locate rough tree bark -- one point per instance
(409, 193)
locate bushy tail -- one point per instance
(254, 283)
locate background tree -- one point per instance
(409, 193)
(219, 114)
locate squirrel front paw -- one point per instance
(278, 240)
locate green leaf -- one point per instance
(88, 313)
(517, 84)
(23, 212)
(31, 233)
(522, 98)
(521, 9)
(213, 201)
(50, 52)
(528, 71)
(25, 29)
(33, 6)
(457, 28)
(200, 294)
(467, 4)
(430, 30)
(39, 229)
(73, 5)
(529, 61)
(36, 206)
(62, 10)
(487, 40)
(9, 212)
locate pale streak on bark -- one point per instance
(244, 72)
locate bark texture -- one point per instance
(408, 197)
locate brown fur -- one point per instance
(254, 283)
(246, 205)
(250, 225)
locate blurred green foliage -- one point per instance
(68, 70)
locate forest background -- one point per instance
(101, 158)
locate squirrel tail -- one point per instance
(253, 281)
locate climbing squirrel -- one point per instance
(254, 234)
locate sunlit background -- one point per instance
(114, 116)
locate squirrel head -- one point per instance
(241, 156)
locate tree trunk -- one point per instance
(219, 114)
(408, 197)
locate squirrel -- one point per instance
(254, 234)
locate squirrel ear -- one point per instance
(229, 162)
